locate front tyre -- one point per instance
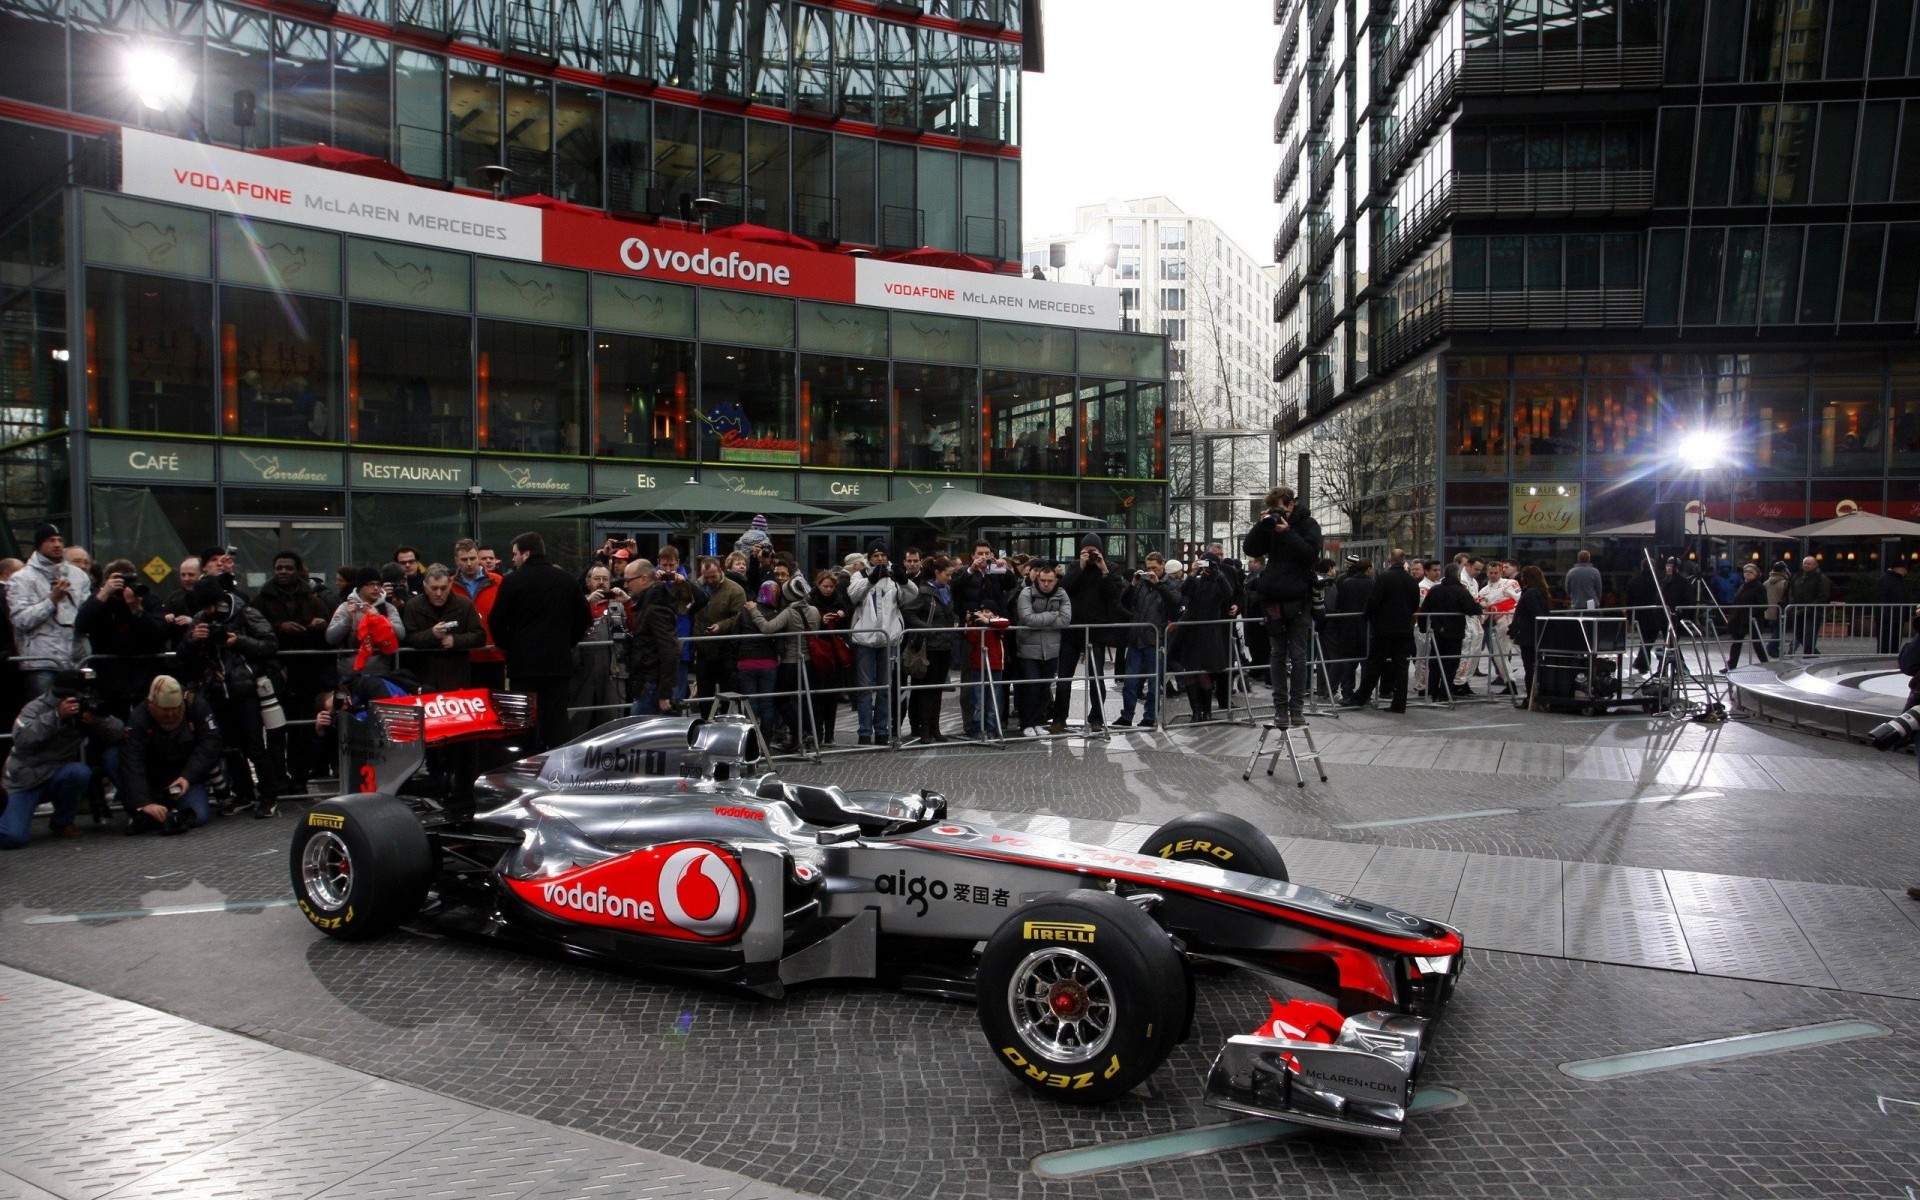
(1218, 840)
(1082, 997)
(361, 865)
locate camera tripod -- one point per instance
(1290, 738)
(1674, 676)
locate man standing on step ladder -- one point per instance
(1288, 538)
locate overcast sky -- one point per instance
(1154, 97)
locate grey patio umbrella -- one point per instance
(1857, 524)
(947, 506)
(690, 503)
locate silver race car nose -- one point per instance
(1360, 1083)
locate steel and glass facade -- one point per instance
(1559, 234)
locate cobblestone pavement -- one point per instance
(857, 1092)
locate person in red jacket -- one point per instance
(986, 663)
(482, 587)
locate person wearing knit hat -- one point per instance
(44, 598)
(853, 562)
(368, 598)
(787, 627)
(161, 767)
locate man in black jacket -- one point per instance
(653, 649)
(1094, 588)
(538, 619)
(161, 767)
(1347, 624)
(1288, 538)
(222, 656)
(1390, 607)
(1890, 602)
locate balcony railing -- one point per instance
(1289, 234)
(1519, 193)
(1283, 300)
(1323, 94)
(1446, 312)
(1288, 358)
(1417, 123)
(1287, 419)
(1320, 395)
(1289, 103)
(1320, 247)
(816, 217)
(984, 237)
(901, 228)
(1285, 10)
(1416, 226)
(1289, 41)
(1324, 163)
(1289, 171)
(1322, 21)
(1495, 70)
(1400, 49)
(1320, 325)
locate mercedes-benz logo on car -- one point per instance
(698, 893)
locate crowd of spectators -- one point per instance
(206, 699)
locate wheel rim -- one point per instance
(1062, 1004)
(326, 870)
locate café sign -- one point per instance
(149, 462)
(1545, 510)
(829, 488)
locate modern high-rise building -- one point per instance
(1526, 248)
(338, 276)
(1181, 275)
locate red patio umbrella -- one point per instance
(555, 204)
(952, 260)
(766, 235)
(333, 158)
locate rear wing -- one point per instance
(384, 743)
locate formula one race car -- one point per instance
(652, 843)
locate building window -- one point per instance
(150, 358)
(1129, 299)
(533, 388)
(1129, 266)
(1173, 299)
(1175, 328)
(1032, 422)
(843, 414)
(1173, 235)
(747, 406)
(644, 386)
(1173, 266)
(409, 377)
(283, 380)
(938, 418)
(1126, 233)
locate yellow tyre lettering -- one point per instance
(1035, 1073)
(1113, 1068)
(1080, 1081)
(1014, 1056)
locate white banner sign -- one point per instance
(183, 172)
(976, 294)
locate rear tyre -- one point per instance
(361, 865)
(1082, 997)
(1218, 840)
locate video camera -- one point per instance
(1897, 732)
(77, 684)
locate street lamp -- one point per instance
(1702, 450)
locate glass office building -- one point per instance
(176, 375)
(1555, 237)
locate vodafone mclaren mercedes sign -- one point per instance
(658, 252)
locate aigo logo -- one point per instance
(636, 255)
(690, 891)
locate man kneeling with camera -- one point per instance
(46, 763)
(161, 767)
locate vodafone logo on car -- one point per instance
(636, 255)
(686, 890)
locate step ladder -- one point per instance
(1289, 744)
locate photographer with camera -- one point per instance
(298, 613)
(652, 645)
(1094, 588)
(1288, 538)
(161, 766)
(1153, 603)
(117, 622)
(44, 599)
(876, 588)
(367, 599)
(49, 738)
(223, 657)
(442, 622)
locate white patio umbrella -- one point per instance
(1715, 528)
(1857, 525)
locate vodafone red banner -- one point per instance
(658, 252)
(686, 890)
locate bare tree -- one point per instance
(1365, 465)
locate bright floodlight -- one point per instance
(1702, 450)
(157, 80)
(1091, 249)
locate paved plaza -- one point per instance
(1624, 885)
